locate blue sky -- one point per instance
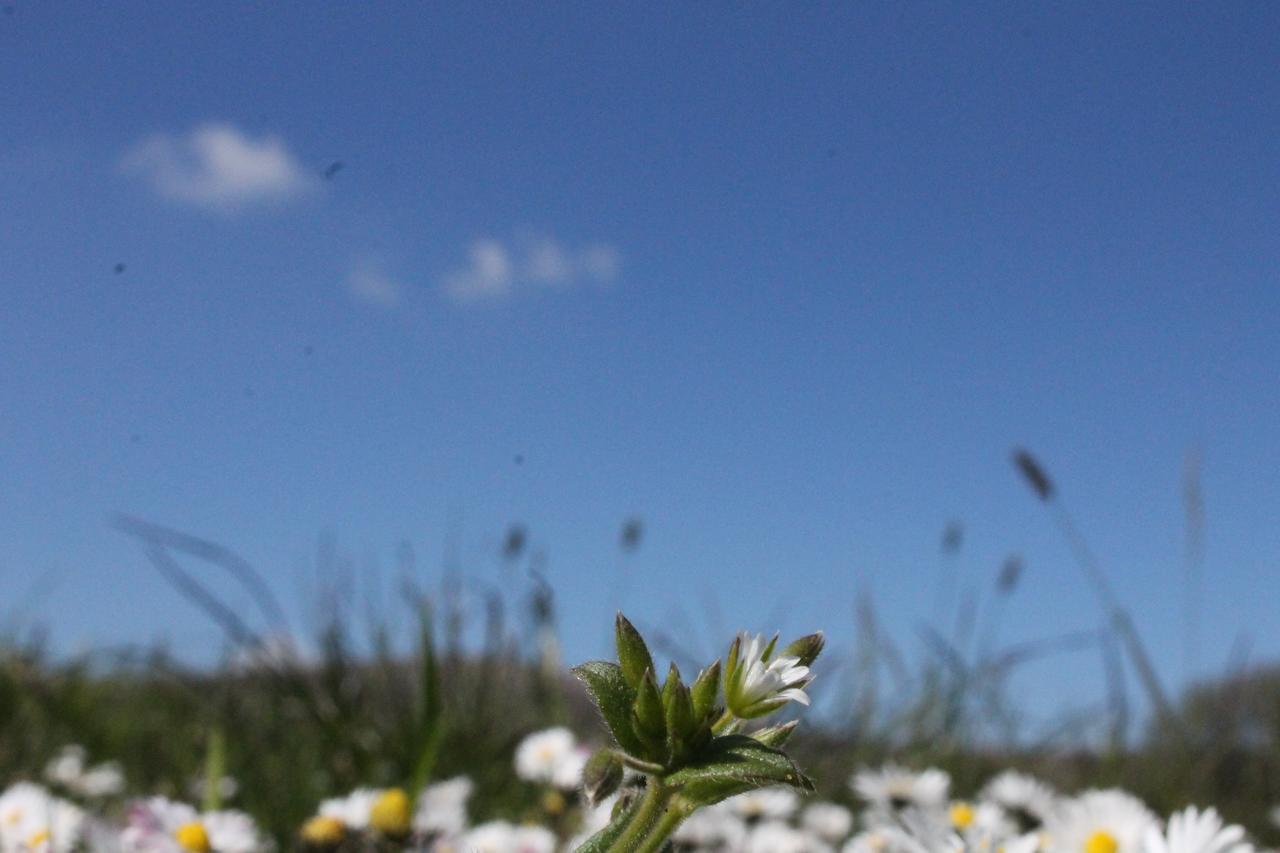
(787, 282)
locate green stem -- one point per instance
(642, 822)
(666, 825)
(723, 723)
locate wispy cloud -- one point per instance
(219, 167)
(369, 284)
(495, 270)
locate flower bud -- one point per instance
(706, 687)
(776, 736)
(649, 718)
(807, 648)
(602, 776)
(633, 654)
(681, 725)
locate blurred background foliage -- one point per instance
(293, 720)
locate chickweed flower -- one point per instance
(756, 683)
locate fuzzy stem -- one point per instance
(726, 719)
(642, 822)
(671, 818)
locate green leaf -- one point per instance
(215, 767)
(428, 728)
(733, 764)
(633, 653)
(605, 682)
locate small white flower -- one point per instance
(32, 818)
(892, 789)
(232, 832)
(1195, 831)
(828, 821)
(714, 828)
(542, 755)
(496, 836)
(442, 807)
(756, 683)
(67, 766)
(1027, 802)
(567, 774)
(774, 836)
(765, 804)
(353, 810)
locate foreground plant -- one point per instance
(685, 740)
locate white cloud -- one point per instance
(496, 270)
(369, 284)
(217, 166)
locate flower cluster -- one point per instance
(902, 811)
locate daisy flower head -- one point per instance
(543, 756)
(1026, 802)
(1100, 821)
(829, 821)
(756, 683)
(891, 789)
(442, 807)
(1194, 831)
(777, 804)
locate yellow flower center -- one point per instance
(13, 817)
(192, 836)
(391, 812)
(1101, 842)
(553, 802)
(38, 838)
(324, 831)
(961, 815)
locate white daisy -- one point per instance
(442, 807)
(1025, 800)
(353, 810)
(1109, 821)
(1195, 831)
(828, 821)
(764, 804)
(542, 754)
(892, 789)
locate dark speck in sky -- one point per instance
(119, 268)
(519, 460)
(248, 392)
(308, 350)
(333, 168)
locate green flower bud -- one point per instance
(633, 654)
(602, 776)
(706, 687)
(650, 718)
(807, 648)
(776, 736)
(681, 726)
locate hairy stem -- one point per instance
(645, 819)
